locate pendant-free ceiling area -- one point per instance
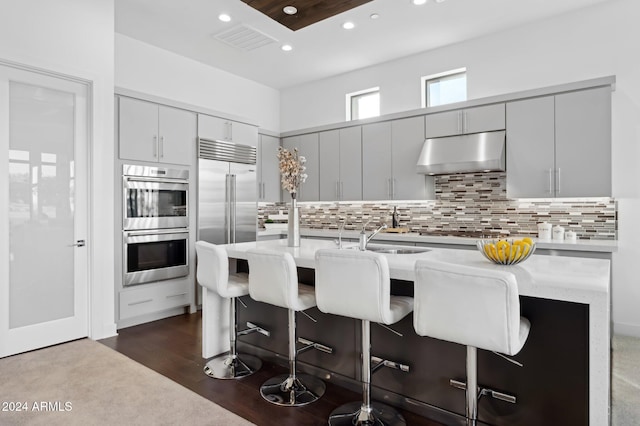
(306, 12)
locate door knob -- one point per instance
(79, 243)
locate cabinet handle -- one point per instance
(161, 146)
(389, 188)
(465, 126)
(341, 190)
(459, 121)
(140, 302)
(393, 188)
(550, 182)
(558, 182)
(176, 295)
(155, 146)
(337, 190)
(260, 191)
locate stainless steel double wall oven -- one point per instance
(155, 223)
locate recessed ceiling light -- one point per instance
(224, 17)
(418, 2)
(348, 25)
(290, 10)
(439, 1)
(374, 16)
(286, 47)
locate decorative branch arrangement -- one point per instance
(291, 170)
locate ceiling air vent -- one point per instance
(244, 38)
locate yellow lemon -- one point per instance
(527, 240)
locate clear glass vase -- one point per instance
(293, 229)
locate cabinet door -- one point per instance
(138, 131)
(530, 148)
(583, 143)
(329, 149)
(242, 133)
(376, 161)
(351, 163)
(308, 147)
(483, 118)
(177, 130)
(268, 171)
(446, 123)
(408, 138)
(214, 128)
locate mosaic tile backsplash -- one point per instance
(465, 202)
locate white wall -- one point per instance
(151, 70)
(75, 37)
(594, 42)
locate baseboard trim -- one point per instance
(626, 329)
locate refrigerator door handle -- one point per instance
(227, 209)
(233, 208)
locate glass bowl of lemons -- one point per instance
(507, 251)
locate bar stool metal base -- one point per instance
(284, 391)
(226, 366)
(381, 415)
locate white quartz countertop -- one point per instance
(573, 279)
(605, 246)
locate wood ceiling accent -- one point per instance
(309, 11)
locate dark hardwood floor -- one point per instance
(173, 348)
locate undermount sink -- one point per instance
(397, 250)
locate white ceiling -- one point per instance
(323, 49)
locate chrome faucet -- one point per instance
(341, 225)
(364, 239)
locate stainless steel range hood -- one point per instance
(478, 152)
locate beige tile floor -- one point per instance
(625, 381)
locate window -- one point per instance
(363, 104)
(444, 88)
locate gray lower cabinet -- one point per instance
(268, 171)
(341, 164)
(470, 120)
(307, 146)
(560, 146)
(390, 151)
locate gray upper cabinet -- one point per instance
(583, 143)
(268, 170)
(308, 147)
(408, 138)
(220, 129)
(560, 146)
(341, 164)
(155, 133)
(390, 151)
(376, 161)
(470, 120)
(530, 148)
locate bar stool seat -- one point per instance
(356, 284)
(472, 306)
(212, 273)
(273, 279)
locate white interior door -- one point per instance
(43, 214)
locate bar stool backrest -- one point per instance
(213, 268)
(353, 284)
(472, 306)
(273, 278)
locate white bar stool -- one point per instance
(213, 273)
(356, 284)
(273, 279)
(471, 306)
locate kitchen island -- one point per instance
(565, 378)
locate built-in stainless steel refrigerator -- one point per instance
(227, 199)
